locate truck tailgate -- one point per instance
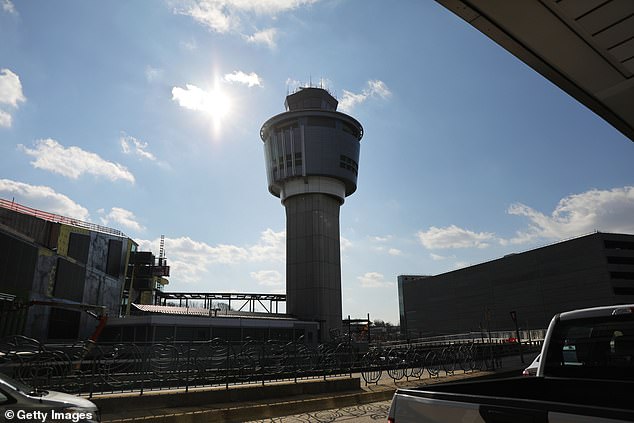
(517, 400)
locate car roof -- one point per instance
(598, 312)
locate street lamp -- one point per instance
(517, 331)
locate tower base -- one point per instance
(313, 263)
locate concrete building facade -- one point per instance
(52, 269)
(311, 156)
(588, 271)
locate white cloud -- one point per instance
(272, 247)
(374, 89)
(575, 215)
(42, 198)
(438, 257)
(226, 16)
(193, 260)
(73, 162)
(350, 99)
(5, 119)
(10, 93)
(10, 88)
(268, 277)
(381, 238)
(122, 217)
(131, 145)
(578, 214)
(153, 74)
(190, 45)
(378, 88)
(293, 85)
(344, 244)
(267, 37)
(211, 14)
(250, 79)
(192, 97)
(394, 252)
(461, 265)
(453, 237)
(374, 280)
(9, 7)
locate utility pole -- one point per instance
(517, 331)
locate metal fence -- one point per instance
(89, 369)
(56, 218)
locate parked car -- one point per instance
(585, 374)
(531, 370)
(21, 402)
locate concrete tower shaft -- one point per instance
(312, 155)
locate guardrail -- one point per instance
(89, 369)
(56, 218)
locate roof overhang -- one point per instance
(584, 47)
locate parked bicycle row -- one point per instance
(95, 368)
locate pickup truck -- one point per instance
(586, 374)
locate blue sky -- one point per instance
(144, 116)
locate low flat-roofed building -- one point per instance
(157, 323)
(592, 270)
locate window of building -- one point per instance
(127, 334)
(618, 245)
(321, 121)
(78, 245)
(63, 324)
(164, 333)
(114, 258)
(69, 281)
(620, 260)
(140, 334)
(346, 127)
(622, 275)
(347, 163)
(110, 334)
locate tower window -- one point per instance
(349, 164)
(321, 121)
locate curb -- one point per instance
(277, 407)
(233, 413)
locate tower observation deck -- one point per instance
(312, 154)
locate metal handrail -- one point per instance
(56, 218)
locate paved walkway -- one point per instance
(362, 413)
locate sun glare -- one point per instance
(213, 101)
(216, 103)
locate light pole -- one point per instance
(517, 331)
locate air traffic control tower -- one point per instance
(312, 156)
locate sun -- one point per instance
(213, 101)
(216, 103)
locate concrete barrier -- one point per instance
(133, 403)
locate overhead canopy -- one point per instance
(586, 47)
